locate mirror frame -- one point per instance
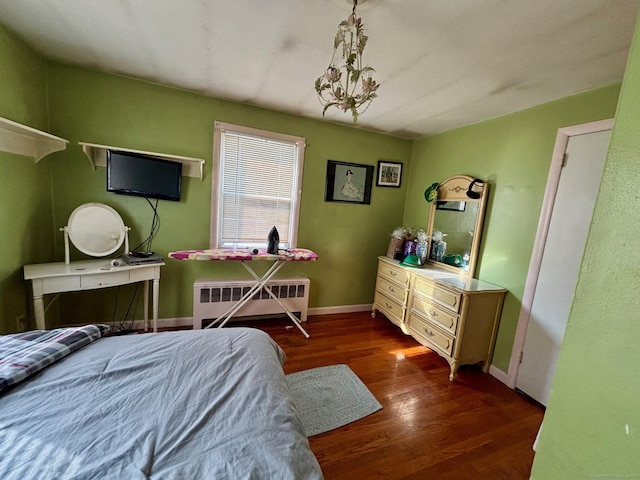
(99, 220)
(454, 189)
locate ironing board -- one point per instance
(245, 257)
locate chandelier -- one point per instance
(346, 84)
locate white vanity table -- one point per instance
(441, 305)
(89, 275)
(96, 230)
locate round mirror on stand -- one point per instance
(96, 230)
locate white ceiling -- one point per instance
(441, 63)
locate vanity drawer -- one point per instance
(99, 281)
(439, 316)
(57, 284)
(392, 309)
(440, 295)
(393, 273)
(432, 334)
(392, 290)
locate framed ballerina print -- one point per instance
(348, 182)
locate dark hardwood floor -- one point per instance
(429, 427)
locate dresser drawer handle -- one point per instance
(429, 332)
(393, 274)
(433, 313)
(387, 304)
(391, 289)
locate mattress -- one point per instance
(172, 405)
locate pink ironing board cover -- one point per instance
(293, 254)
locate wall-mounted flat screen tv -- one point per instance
(143, 175)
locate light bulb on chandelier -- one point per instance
(346, 83)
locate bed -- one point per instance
(196, 404)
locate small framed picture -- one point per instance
(348, 182)
(389, 174)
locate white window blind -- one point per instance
(257, 186)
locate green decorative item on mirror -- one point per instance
(431, 193)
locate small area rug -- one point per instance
(330, 397)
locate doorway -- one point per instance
(571, 192)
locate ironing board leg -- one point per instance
(224, 318)
(284, 307)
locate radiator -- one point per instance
(213, 297)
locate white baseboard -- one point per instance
(340, 309)
(188, 321)
(499, 374)
(165, 323)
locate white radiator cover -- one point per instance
(213, 297)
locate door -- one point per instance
(561, 259)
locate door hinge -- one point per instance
(521, 355)
(564, 160)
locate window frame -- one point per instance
(217, 172)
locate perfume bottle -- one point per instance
(421, 252)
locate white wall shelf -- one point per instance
(23, 140)
(97, 154)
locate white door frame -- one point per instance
(562, 139)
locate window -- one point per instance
(257, 178)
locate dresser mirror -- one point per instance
(458, 215)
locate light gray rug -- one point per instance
(330, 397)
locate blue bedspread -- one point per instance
(203, 404)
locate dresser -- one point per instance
(452, 315)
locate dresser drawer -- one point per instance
(441, 317)
(392, 290)
(393, 273)
(425, 330)
(392, 309)
(438, 294)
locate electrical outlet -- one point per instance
(21, 323)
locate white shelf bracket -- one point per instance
(23, 140)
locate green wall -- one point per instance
(513, 154)
(106, 109)
(25, 188)
(591, 424)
